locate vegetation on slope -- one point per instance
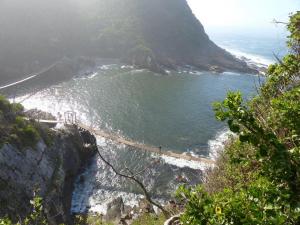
(15, 130)
(257, 178)
(38, 217)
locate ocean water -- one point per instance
(173, 111)
(259, 47)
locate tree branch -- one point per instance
(138, 182)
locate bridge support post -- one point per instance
(70, 118)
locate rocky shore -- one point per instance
(49, 170)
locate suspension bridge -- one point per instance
(70, 119)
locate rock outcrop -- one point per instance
(49, 171)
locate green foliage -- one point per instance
(15, 130)
(4, 104)
(28, 135)
(271, 151)
(294, 38)
(140, 51)
(17, 108)
(37, 216)
(90, 220)
(95, 220)
(257, 178)
(5, 221)
(262, 202)
(150, 219)
(234, 165)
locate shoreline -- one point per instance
(60, 71)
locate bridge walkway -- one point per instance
(119, 139)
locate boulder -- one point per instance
(115, 209)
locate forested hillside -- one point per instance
(149, 34)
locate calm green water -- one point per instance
(173, 111)
(170, 111)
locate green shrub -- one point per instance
(17, 108)
(29, 135)
(5, 221)
(150, 219)
(20, 121)
(36, 217)
(262, 202)
(15, 130)
(4, 104)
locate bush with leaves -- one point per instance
(268, 131)
(262, 202)
(37, 217)
(16, 130)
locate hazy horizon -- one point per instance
(248, 15)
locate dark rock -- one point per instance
(115, 209)
(145, 206)
(38, 114)
(50, 171)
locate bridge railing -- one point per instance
(70, 118)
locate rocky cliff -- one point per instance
(48, 170)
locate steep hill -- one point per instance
(165, 31)
(149, 34)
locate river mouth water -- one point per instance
(172, 111)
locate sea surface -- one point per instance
(173, 111)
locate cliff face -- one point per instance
(49, 171)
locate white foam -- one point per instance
(104, 67)
(127, 67)
(92, 75)
(101, 141)
(181, 163)
(108, 66)
(217, 145)
(99, 200)
(53, 104)
(136, 71)
(86, 198)
(250, 58)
